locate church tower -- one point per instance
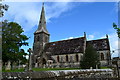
(41, 36)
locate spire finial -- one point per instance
(106, 36)
(84, 34)
(43, 4)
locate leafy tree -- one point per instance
(12, 40)
(90, 58)
(117, 29)
(2, 8)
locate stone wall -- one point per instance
(106, 60)
(84, 73)
(72, 61)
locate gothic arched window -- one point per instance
(66, 58)
(102, 56)
(58, 58)
(77, 57)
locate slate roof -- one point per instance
(65, 46)
(75, 46)
(100, 44)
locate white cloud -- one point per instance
(28, 14)
(69, 38)
(90, 37)
(113, 38)
(56, 9)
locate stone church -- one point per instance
(64, 53)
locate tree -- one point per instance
(117, 29)
(2, 8)
(12, 40)
(90, 58)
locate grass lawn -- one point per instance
(41, 69)
(47, 69)
(104, 68)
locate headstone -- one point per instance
(96, 66)
(36, 65)
(14, 65)
(8, 66)
(91, 67)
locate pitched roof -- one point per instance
(65, 46)
(100, 44)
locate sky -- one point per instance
(67, 20)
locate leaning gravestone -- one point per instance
(8, 66)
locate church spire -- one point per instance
(42, 22)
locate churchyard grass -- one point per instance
(49, 69)
(46, 69)
(40, 69)
(104, 68)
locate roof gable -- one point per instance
(100, 44)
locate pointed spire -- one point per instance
(42, 22)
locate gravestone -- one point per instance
(8, 66)
(91, 67)
(36, 65)
(19, 66)
(14, 65)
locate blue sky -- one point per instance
(67, 20)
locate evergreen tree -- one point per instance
(90, 58)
